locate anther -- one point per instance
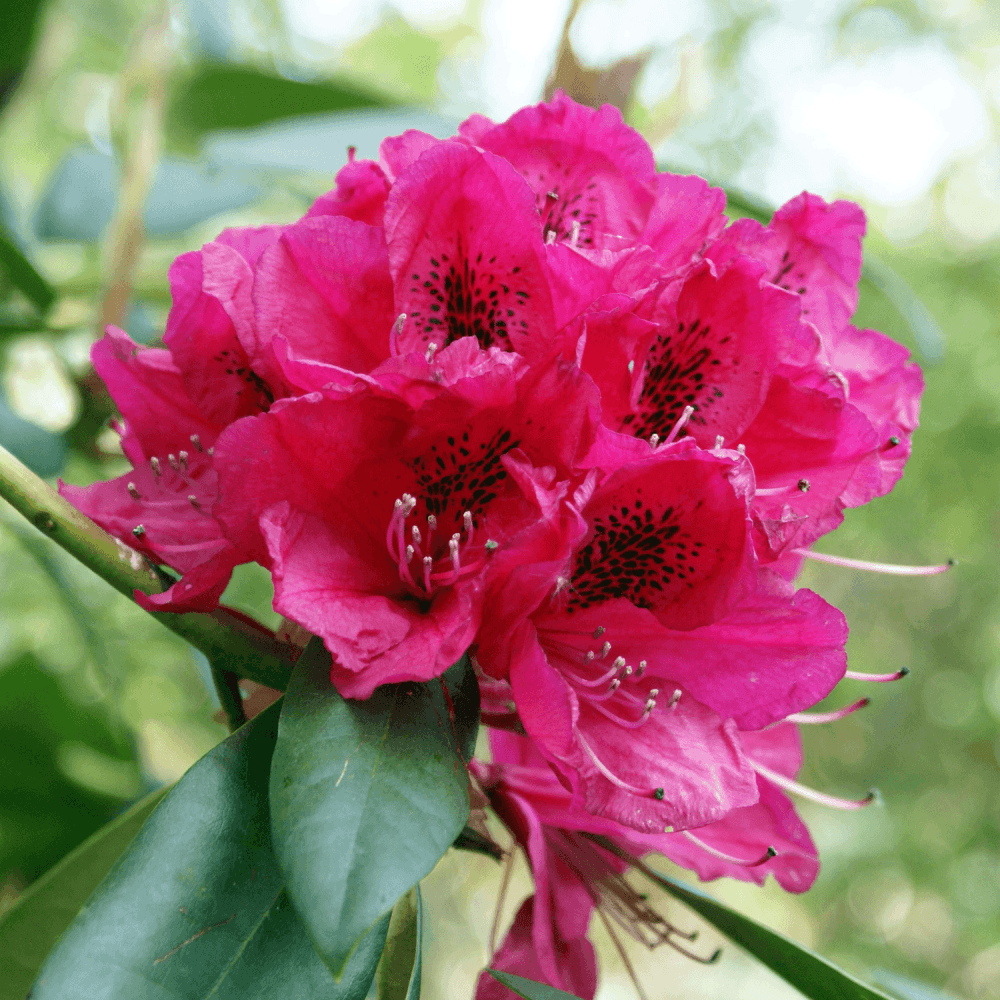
(408, 554)
(183, 457)
(658, 794)
(589, 656)
(654, 440)
(653, 692)
(675, 697)
(154, 464)
(415, 531)
(174, 464)
(719, 441)
(211, 451)
(742, 449)
(139, 530)
(467, 520)
(598, 632)
(576, 233)
(196, 441)
(491, 546)
(193, 500)
(853, 675)
(397, 327)
(605, 649)
(615, 685)
(893, 441)
(432, 521)
(642, 668)
(618, 662)
(133, 492)
(804, 485)
(554, 195)
(430, 352)
(550, 237)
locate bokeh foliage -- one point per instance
(99, 704)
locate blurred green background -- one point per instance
(132, 131)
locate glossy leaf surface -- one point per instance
(196, 907)
(366, 795)
(33, 924)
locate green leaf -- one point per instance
(529, 989)
(235, 97)
(33, 924)
(398, 976)
(811, 974)
(196, 907)
(366, 795)
(22, 274)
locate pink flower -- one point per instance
(575, 874)
(378, 509)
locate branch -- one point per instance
(231, 641)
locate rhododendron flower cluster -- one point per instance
(517, 392)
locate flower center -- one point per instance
(428, 561)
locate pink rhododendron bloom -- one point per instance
(378, 510)
(574, 875)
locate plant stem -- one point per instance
(231, 642)
(227, 687)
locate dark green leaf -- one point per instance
(234, 97)
(398, 976)
(473, 840)
(33, 924)
(811, 974)
(22, 274)
(41, 451)
(196, 907)
(20, 21)
(529, 989)
(365, 795)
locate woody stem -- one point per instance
(231, 643)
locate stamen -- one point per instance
(408, 554)
(674, 698)
(642, 668)
(430, 352)
(598, 632)
(154, 464)
(397, 327)
(550, 237)
(211, 451)
(891, 569)
(174, 464)
(679, 426)
(654, 440)
(813, 718)
(893, 441)
(415, 532)
(719, 441)
(853, 675)
(428, 564)
(453, 552)
(652, 793)
(803, 486)
(605, 649)
(183, 457)
(491, 546)
(139, 530)
(196, 441)
(810, 793)
(508, 868)
(722, 856)
(193, 500)
(432, 522)
(133, 491)
(742, 449)
(575, 236)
